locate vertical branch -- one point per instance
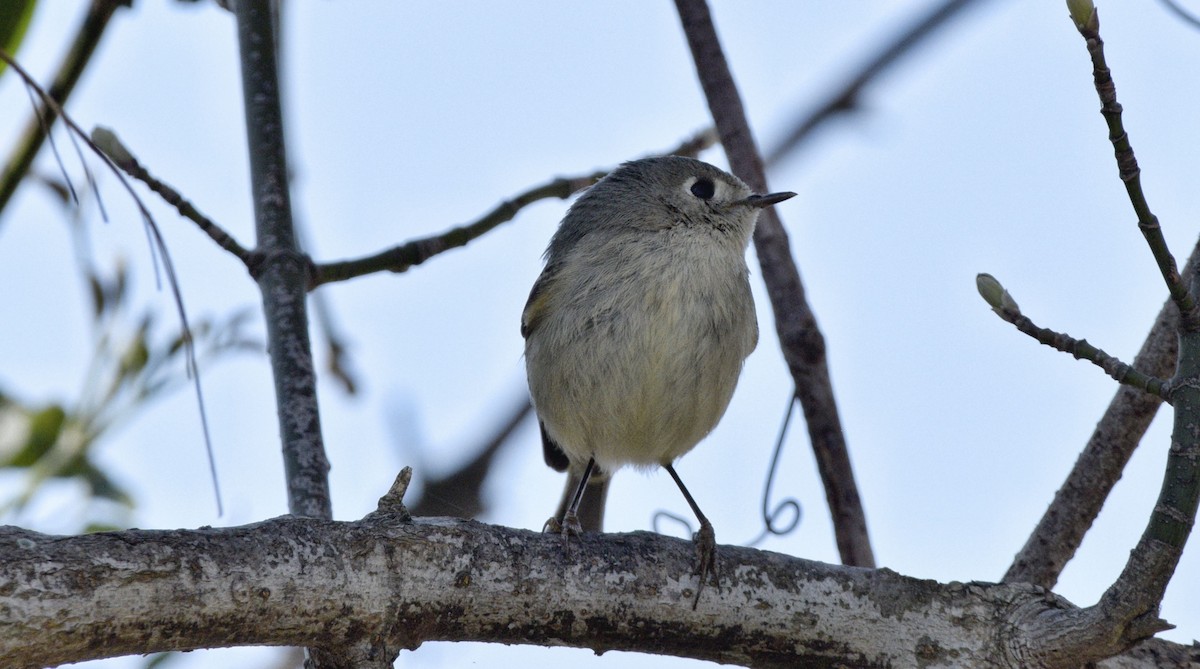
(283, 272)
(1076, 505)
(802, 342)
(77, 58)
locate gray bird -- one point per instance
(636, 330)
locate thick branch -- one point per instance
(383, 584)
(283, 272)
(802, 342)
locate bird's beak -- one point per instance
(760, 201)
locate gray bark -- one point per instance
(383, 584)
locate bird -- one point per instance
(637, 329)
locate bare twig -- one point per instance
(1077, 503)
(408, 255)
(1138, 591)
(1181, 13)
(802, 342)
(845, 98)
(1129, 607)
(403, 257)
(1062, 527)
(1007, 309)
(460, 493)
(108, 142)
(1130, 173)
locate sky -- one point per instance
(982, 152)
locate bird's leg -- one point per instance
(568, 525)
(705, 540)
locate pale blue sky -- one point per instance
(983, 152)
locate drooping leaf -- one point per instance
(133, 360)
(102, 486)
(97, 290)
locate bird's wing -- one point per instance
(535, 306)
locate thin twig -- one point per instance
(403, 257)
(37, 129)
(1181, 13)
(1130, 605)
(108, 142)
(845, 98)
(802, 342)
(1133, 600)
(410, 254)
(1077, 503)
(460, 492)
(1006, 307)
(1130, 173)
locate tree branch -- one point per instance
(283, 272)
(303, 581)
(1127, 167)
(410, 254)
(802, 342)
(1062, 528)
(122, 157)
(1006, 307)
(402, 258)
(845, 99)
(459, 493)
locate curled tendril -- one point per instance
(771, 524)
(770, 517)
(661, 515)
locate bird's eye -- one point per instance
(704, 188)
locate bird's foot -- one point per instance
(568, 527)
(706, 558)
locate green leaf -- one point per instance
(45, 426)
(133, 360)
(102, 486)
(14, 20)
(97, 290)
